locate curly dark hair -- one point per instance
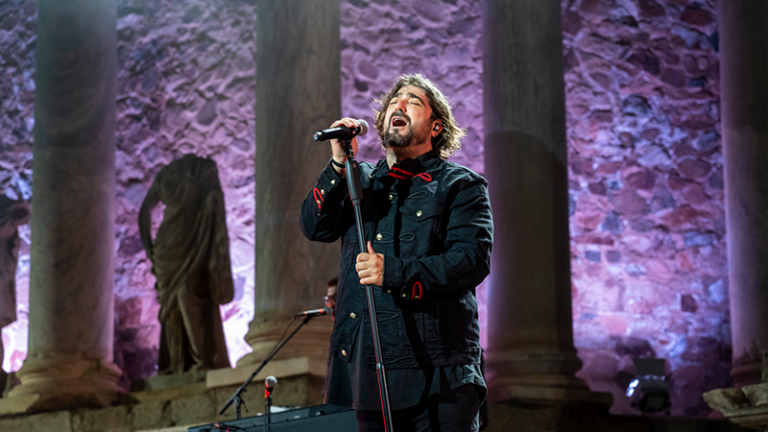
(448, 141)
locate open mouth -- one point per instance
(398, 121)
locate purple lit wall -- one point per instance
(646, 188)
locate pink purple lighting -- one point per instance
(645, 162)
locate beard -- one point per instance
(397, 140)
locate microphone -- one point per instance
(315, 312)
(270, 382)
(342, 132)
(269, 385)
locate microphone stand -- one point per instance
(267, 410)
(355, 187)
(237, 397)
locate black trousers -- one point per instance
(453, 411)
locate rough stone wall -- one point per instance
(647, 220)
(646, 188)
(380, 40)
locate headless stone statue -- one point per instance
(12, 214)
(190, 260)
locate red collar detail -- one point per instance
(402, 174)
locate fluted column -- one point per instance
(298, 91)
(69, 363)
(530, 336)
(744, 91)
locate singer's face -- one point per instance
(409, 118)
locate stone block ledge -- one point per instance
(175, 409)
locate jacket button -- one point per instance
(389, 291)
(344, 352)
(379, 236)
(403, 295)
(418, 213)
(353, 315)
(322, 192)
(391, 197)
(333, 181)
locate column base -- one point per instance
(311, 341)
(538, 378)
(501, 391)
(63, 382)
(159, 382)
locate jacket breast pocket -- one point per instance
(421, 223)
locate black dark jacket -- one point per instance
(432, 221)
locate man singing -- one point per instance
(429, 233)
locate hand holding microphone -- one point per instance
(344, 129)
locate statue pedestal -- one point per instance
(159, 382)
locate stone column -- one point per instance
(298, 91)
(69, 363)
(744, 86)
(530, 335)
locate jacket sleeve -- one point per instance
(465, 261)
(323, 210)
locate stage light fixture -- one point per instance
(649, 391)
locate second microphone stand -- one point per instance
(267, 409)
(355, 187)
(236, 398)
